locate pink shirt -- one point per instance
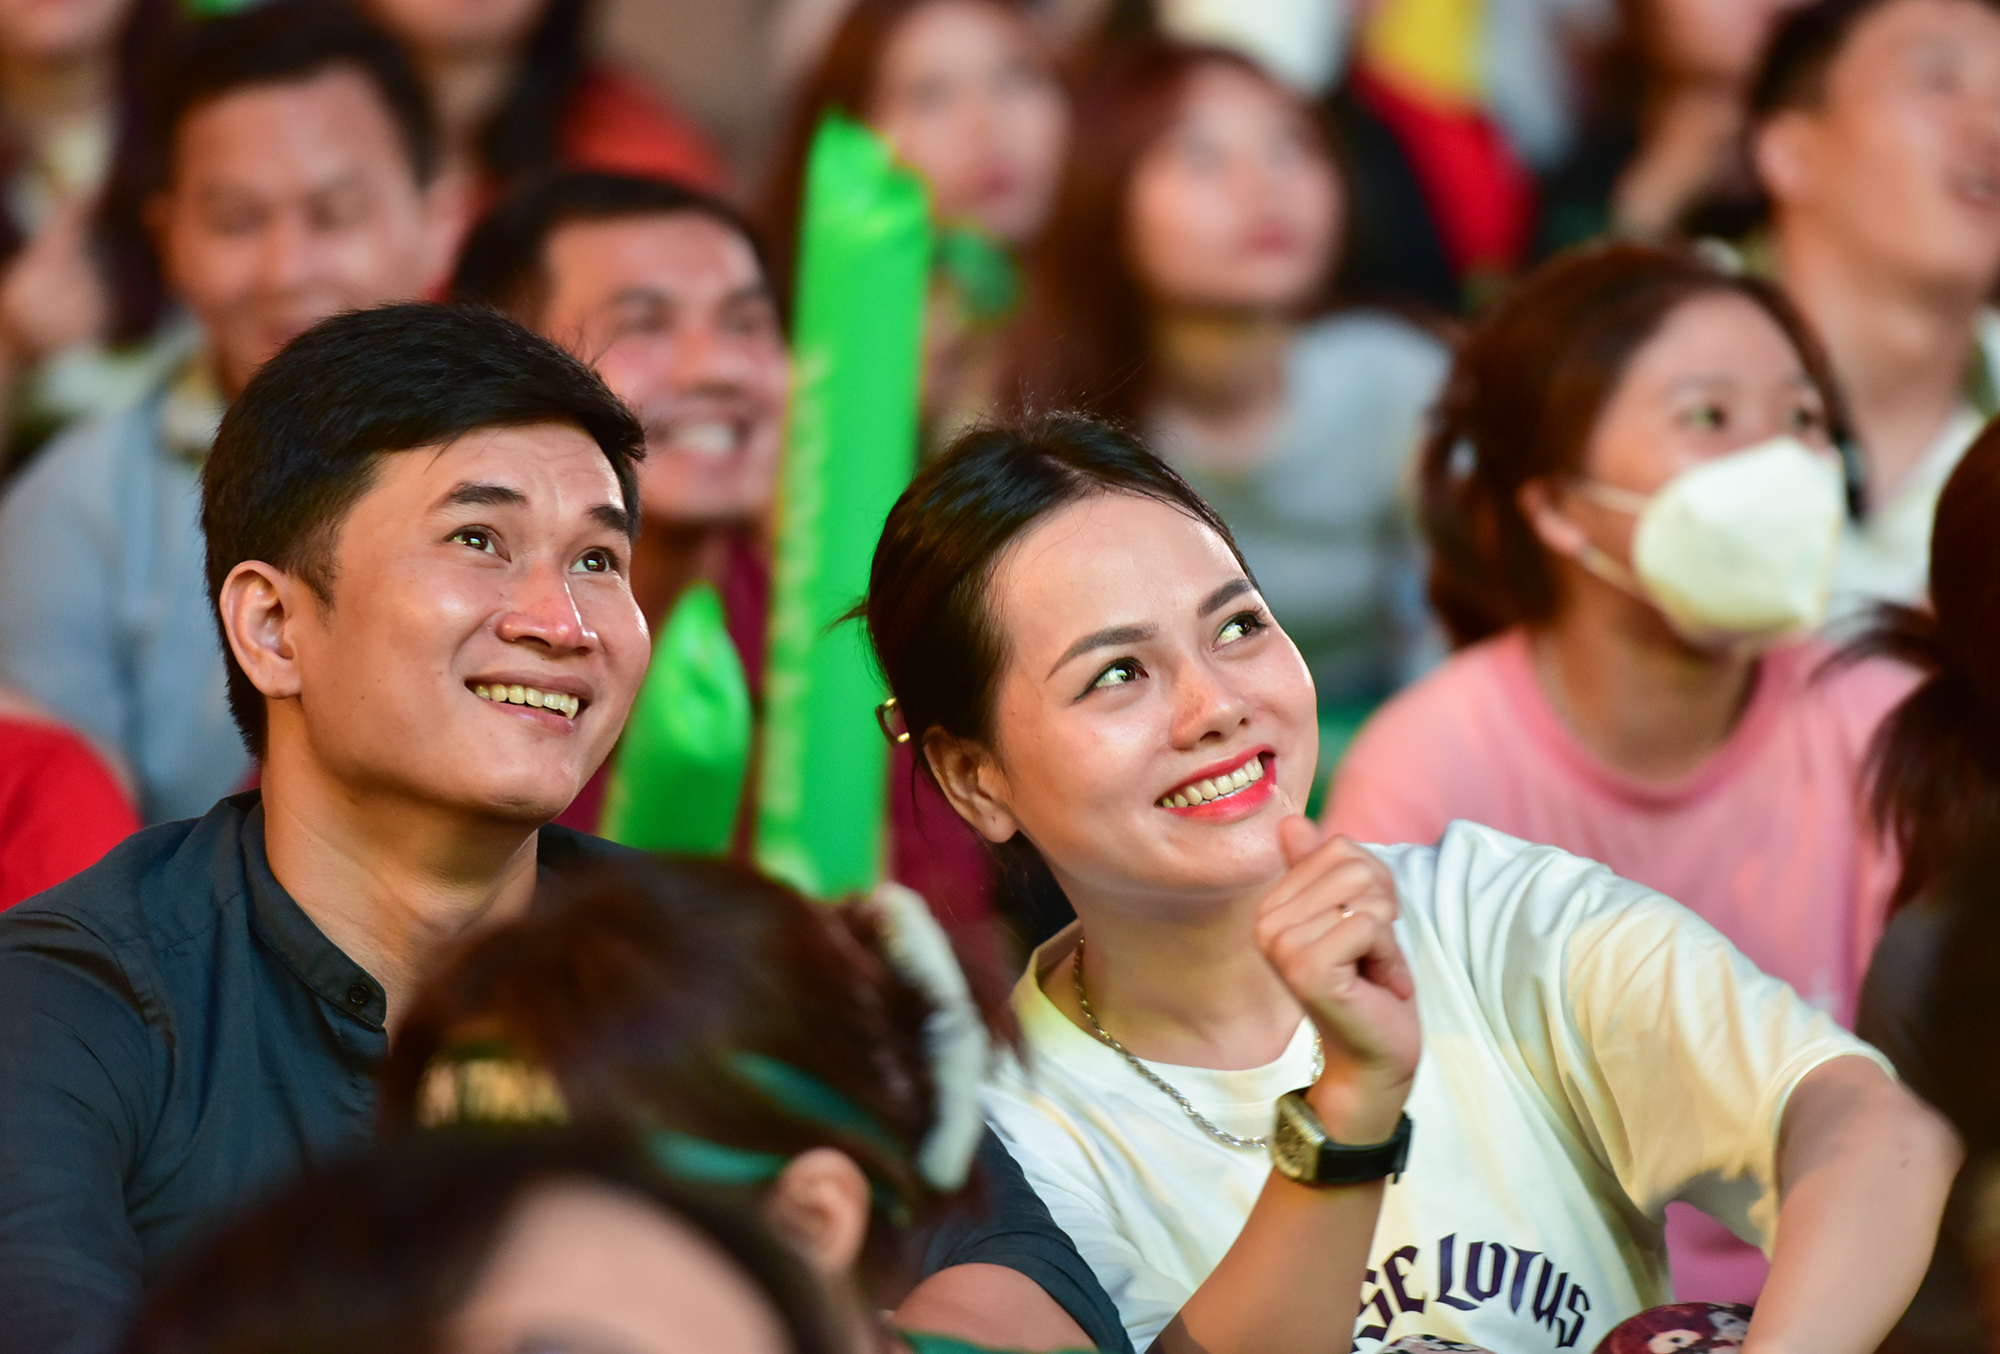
(1767, 839)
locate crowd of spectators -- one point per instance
(1444, 605)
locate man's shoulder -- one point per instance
(152, 891)
(565, 850)
(90, 453)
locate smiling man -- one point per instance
(1876, 136)
(662, 289)
(298, 161)
(419, 521)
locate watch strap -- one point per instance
(1343, 1164)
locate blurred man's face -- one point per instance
(58, 30)
(290, 203)
(1900, 165)
(677, 317)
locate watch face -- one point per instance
(1294, 1147)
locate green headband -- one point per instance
(487, 1082)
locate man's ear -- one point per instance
(971, 780)
(260, 604)
(819, 1205)
(1556, 530)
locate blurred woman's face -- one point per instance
(965, 95)
(459, 27)
(1719, 376)
(1718, 40)
(1236, 207)
(56, 30)
(587, 1270)
(1152, 724)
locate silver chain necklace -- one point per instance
(1187, 1107)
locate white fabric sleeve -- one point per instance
(1057, 1167)
(1674, 1054)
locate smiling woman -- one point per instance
(1218, 1077)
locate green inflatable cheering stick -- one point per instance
(677, 783)
(865, 251)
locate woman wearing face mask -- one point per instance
(1632, 497)
(965, 93)
(1192, 238)
(824, 1061)
(1074, 642)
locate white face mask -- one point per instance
(1736, 552)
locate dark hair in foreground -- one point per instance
(197, 61)
(1936, 757)
(298, 448)
(504, 261)
(1523, 398)
(381, 1252)
(634, 987)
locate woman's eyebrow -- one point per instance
(1224, 595)
(1100, 639)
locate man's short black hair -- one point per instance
(287, 42)
(299, 446)
(505, 259)
(1802, 49)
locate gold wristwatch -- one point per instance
(1302, 1151)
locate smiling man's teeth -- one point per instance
(531, 696)
(702, 439)
(1221, 787)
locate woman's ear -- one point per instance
(971, 780)
(819, 1205)
(1557, 531)
(257, 605)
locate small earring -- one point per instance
(883, 714)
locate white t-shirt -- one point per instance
(1591, 1051)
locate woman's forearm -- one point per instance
(1863, 1167)
(1292, 1279)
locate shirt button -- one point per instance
(358, 994)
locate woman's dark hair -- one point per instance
(1935, 761)
(381, 1252)
(1083, 340)
(298, 448)
(638, 987)
(171, 65)
(843, 82)
(928, 612)
(1523, 398)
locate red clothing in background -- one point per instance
(59, 808)
(617, 124)
(1481, 197)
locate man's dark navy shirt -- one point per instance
(175, 1036)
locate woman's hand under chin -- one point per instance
(1326, 927)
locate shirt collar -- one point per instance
(284, 926)
(192, 410)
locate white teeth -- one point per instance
(1220, 787)
(533, 697)
(702, 439)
